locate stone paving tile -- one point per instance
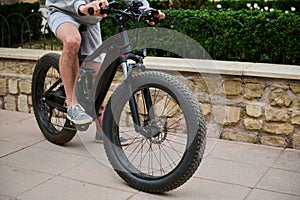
(281, 181)
(263, 194)
(16, 180)
(210, 145)
(27, 135)
(95, 172)
(75, 147)
(230, 172)
(229, 169)
(245, 153)
(62, 188)
(40, 160)
(200, 189)
(3, 197)
(289, 160)
(10, 117)
(8, 148)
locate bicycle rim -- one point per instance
(154, 157)
(52, 119)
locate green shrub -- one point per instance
(284, 5)
(228, 4)
(244, 35)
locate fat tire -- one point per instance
(193, 154)
(64, 135)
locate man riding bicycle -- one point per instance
(65, 18)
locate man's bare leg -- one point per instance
(69, 35)
(69, 68)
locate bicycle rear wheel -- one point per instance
(165, 160)
(48, 100)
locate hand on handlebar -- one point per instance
(160, 15)
(94, 6)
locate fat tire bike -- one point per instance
(155, 111)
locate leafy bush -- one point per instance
(227, 4)
(284, 5)
(19, 22)
(244, 35)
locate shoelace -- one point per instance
(77, 110)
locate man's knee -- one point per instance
(72, 43)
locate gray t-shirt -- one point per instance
(71, 7)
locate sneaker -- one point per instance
(124, 141)
(99, 138)
(77, 115)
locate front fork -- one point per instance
(127, 70)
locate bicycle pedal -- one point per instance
(82, 127)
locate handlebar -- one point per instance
(132, 10)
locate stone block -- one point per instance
(1, 102)
(25, 87)
(279, 97)
(3, 87)
(13, 86)
(213, 85)
(226, 115)
(10, 102)
(238, 136)
(276, 141)
(206, 108)
(12, 66)
(29, 100)
(31, 110)
(189, 83)
(253, 90)
(295, 88)
(253, 110)
(200, 85)
(253, 124)
(23, 103)
(296, 140)
(296, 117)
(232, 88)
(276, 115)
(279, 129)
(26, 67)
(2, 66)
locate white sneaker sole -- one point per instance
(80, 122)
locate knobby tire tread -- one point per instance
(65, 135)
(201, 132)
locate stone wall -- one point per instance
(256, 107)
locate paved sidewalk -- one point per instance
(33, 168)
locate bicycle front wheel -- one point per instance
(167, 159)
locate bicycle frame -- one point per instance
(118, 55)
(118, 52)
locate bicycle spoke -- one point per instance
(159, 155)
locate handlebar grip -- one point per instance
(151, 16)
(102, 10)
(91, 11)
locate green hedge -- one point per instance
(18, 18)
(244, 35)
(232, 4)
(284, 5)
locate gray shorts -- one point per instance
(91, 39)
